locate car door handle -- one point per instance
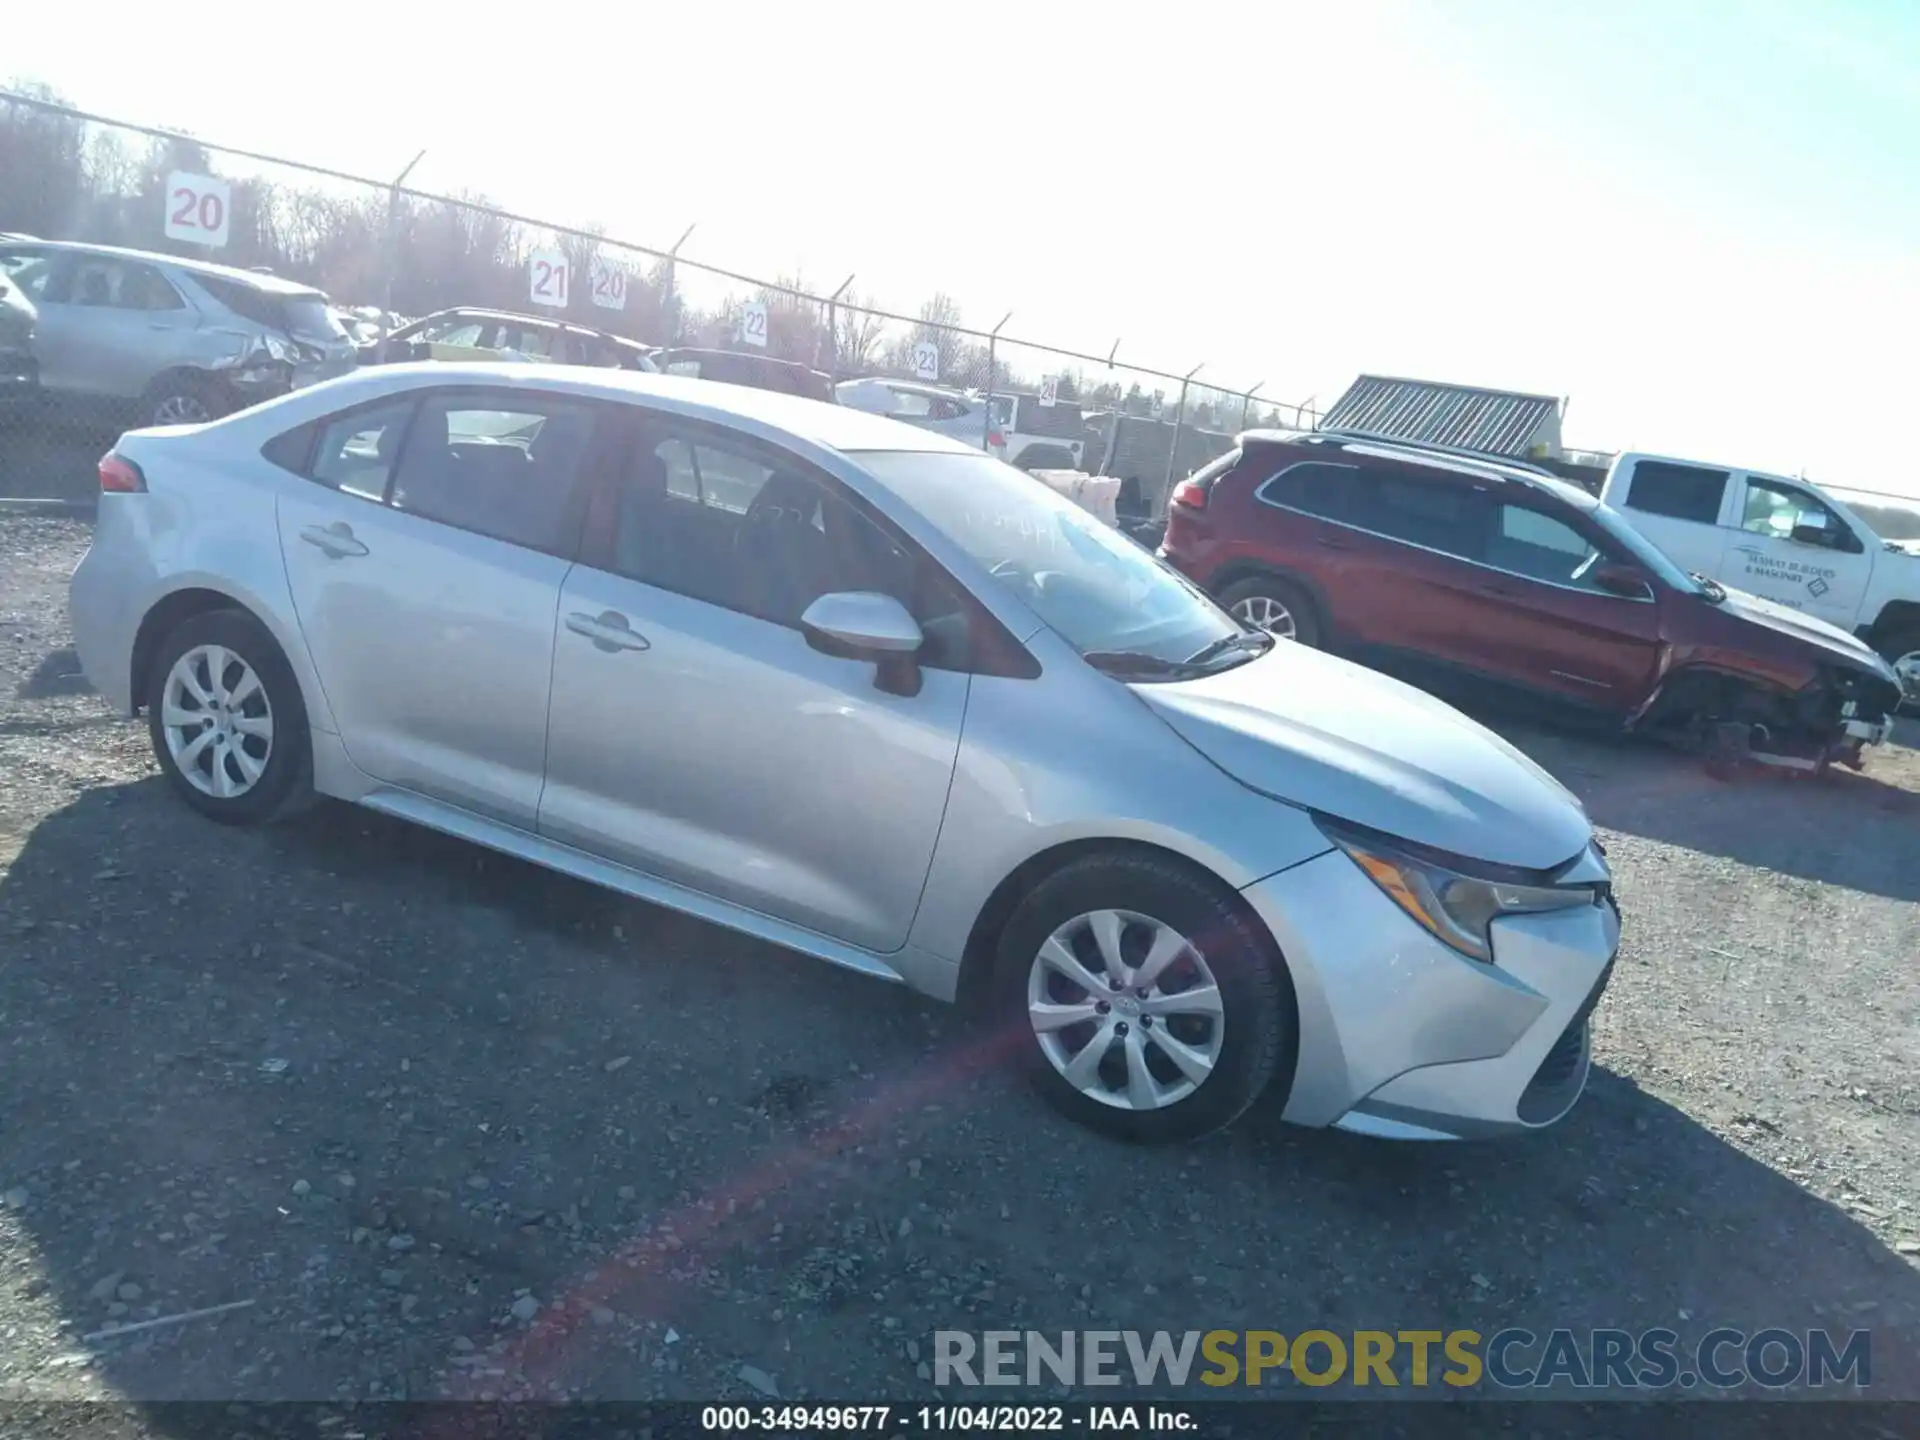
(335, 539)
(608, 630)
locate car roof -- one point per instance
(1470, 466)
(480, 312)
(253, 279)
(834, 427)
(910, 387)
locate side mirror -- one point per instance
(863, 625)
(1617, 579)
(1810, 527)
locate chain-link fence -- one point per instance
(336, 270)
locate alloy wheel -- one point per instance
(1907, 667)
(1125, 1008)
(1263, 612)
(218, 722)
(181, 408)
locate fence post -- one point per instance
(1246, 406)
(833, 330)
(671, 309)
(986, 411)
(1179, 422)
(393, 250)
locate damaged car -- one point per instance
(1447, 567)
(129, 335)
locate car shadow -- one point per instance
(374, 1087)
(58, 674)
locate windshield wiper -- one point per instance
(1139, 663)
(1259, 641)
(1712, 589)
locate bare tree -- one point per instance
(857, 332)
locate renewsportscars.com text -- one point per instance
(1512, 1359)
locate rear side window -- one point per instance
(1325, 491)
(1681, 492)
(1437, 514)
(515, 473)
(356, 451)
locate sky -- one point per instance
(1696, 220)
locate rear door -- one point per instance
(1794, 548)
(426, 564)
(1682, 508)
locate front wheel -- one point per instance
(226, 719)
(1144, 1004)
(1902, 652)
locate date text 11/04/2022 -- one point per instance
(946, 1419)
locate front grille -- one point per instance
(1551, 1091)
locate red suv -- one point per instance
(1446, 564)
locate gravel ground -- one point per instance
(445, 1124)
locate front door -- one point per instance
(697, 737)
(1821, 568)
(427, 589)
(1532, 615)
(109, 326)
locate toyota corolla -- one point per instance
(872, 695)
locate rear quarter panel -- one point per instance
(208, 522)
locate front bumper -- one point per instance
(1401, 1036)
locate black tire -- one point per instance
(1275, 592)
(1893, 648)
(286, 778)
(186, 399)
(1258, 1017)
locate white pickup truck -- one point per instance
(1784, 540)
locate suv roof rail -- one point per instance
(1457, 452)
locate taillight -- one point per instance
(995, 440)
(1193, 496)
(121, 476)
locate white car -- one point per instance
(953, 413)
(1785, 540)
(866, 693)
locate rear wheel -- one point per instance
(1277, 606)
(186, 400)
(226, 719)
(1145, 1005)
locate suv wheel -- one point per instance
(225, 716)
(1902, 652)
(1143, 1004)
(1277, 606)
(186, 400)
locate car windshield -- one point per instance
(1645, 551)
(1094, 587)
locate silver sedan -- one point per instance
(870, 694)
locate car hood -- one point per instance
(1322, 733)
(1784, 620)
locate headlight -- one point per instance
(1455, 899)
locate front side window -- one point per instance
(1542, 547)
(117, 285)
(463, 333)
(27, 269)
(748, 528)
(1090, 584)
(1786, 512)
(511, 468)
